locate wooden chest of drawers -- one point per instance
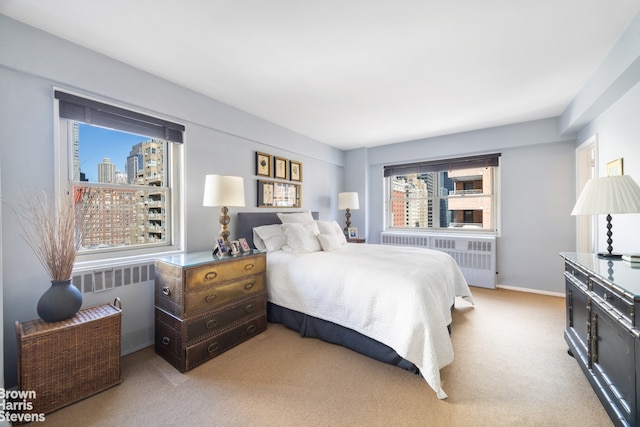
(205, 305)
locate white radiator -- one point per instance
(476, 255)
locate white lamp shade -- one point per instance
(348, 200)
(608, 195)
(222, 190)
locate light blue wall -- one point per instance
(534, 207)
(219, 139)
(355, 179)
(609, 108)
(618, 134)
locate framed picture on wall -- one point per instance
(264, 164)
(614, 168)
(281, 168)
(295, 171)
(272, 194)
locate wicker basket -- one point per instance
(66, 361)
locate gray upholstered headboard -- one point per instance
(245, 221)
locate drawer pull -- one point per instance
(211, 323)
(166, 340)
(213, 347)
(249, 267)
(251, 329)
(211, 275)
(166, 290)
(248, 308)
(248, 286)
(210, 297)
(607, 297)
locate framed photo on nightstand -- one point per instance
(244, 245)
(216, 248)
(352, 233)
(220, 248)
(235, 247)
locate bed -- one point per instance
(390, 303)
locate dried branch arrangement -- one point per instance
(52, 230)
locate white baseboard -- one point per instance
(532, 291)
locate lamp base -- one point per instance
(609, 255)
(347, 216)
(225, 219)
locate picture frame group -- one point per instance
(234, 248)
(270, 166)
(286, 191)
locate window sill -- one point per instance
(456, 232)
(111, 262)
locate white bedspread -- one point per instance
(399, 296)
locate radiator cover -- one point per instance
(475, 255)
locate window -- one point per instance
(124, 167)
(453, 194)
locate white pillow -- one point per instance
(331, 242)
(331, 228)
(269, 237)
(288, 218)
(301, 237)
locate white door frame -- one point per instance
(586, 161)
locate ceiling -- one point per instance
(355, 73)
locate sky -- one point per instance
(96, 143)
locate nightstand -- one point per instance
(356, 240)
(206, 304)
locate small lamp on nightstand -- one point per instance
(348, 201)
(223, 191)
(608, 195)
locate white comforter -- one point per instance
(400, 296)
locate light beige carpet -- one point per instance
(511, 368)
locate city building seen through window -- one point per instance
(124, 181)
(459, 199)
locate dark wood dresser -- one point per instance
(205, 305)
(603, 330)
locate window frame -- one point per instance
(435, 199)
(174, 160)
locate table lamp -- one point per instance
(224, 191)
(608, 195)
(348, 201)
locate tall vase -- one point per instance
(61, 301)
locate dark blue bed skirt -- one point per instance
(312, 327)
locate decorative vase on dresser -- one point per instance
(205, 305)
(603, 330)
